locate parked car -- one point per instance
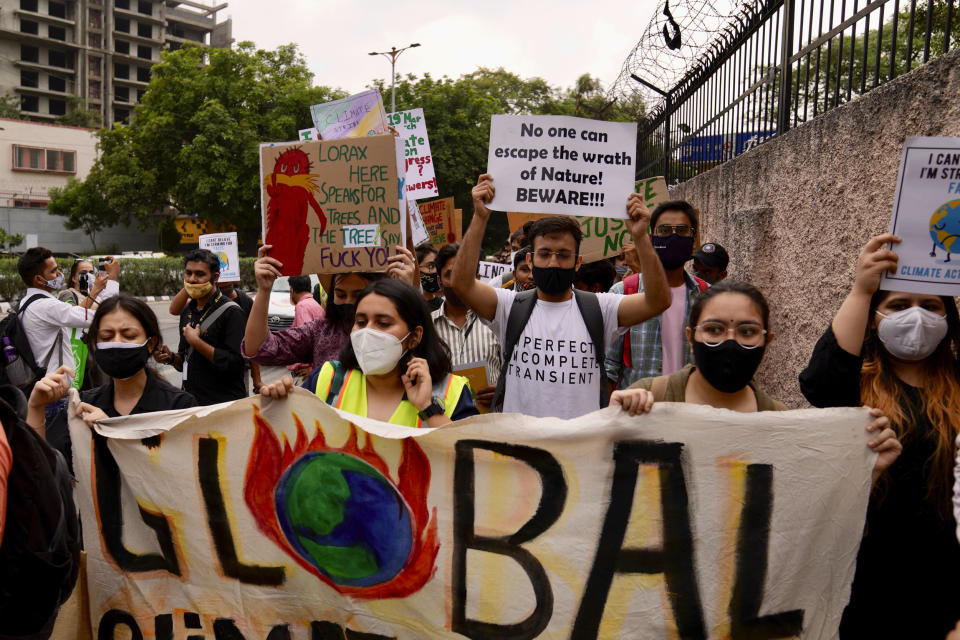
(280, 311)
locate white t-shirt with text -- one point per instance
(553, 371)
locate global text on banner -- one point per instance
(224, 246)
(440, 219)
(604, 237)
(358, 115)
(418, 161)
(926, 215)
(291, 519)
(562, 164)
(332, 206)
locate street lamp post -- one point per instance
(392, 55)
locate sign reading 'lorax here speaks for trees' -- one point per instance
(285, 519)
(332, 206)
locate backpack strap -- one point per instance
(23, 307)
(589, 306)
(209, 320)
(517, 319)
(631, 285)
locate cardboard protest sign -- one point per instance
(489, 270)
(440, 219)
(567, 165)
(476, 375)
(358, 115)
(604, 237)
(418, 229)
(332, 206)
(418, 161)
(926, 215)
(290, 518)
(225, 247)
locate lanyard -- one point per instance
(210, 305)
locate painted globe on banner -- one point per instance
(945, 228)
(345, 518)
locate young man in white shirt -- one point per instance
(554, 368)
(47, 321)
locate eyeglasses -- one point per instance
(670, 229)
(748, 335)
(563, 255)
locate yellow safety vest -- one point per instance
(352, 394)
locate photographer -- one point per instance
(86, 283)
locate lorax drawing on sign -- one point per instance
(291, 189)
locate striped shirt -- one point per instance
(474, 342)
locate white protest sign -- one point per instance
(926, 215)
(490, 270)
(418, 163)
(562, 164)
(308, 135)
(418, 230)
(224, 246)
(290, 519)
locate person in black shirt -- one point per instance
(211, 328)
(125, 332)
(896, 351)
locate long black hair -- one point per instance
(413, 310)
(135, 307)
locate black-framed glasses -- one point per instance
(670, 229)
(748, 335)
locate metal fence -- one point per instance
(779, 64)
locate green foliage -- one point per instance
(9, 240)
(78, 115)
(10, 107)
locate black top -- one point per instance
(245, 302)
(158, 395)
(221, 380)
(907, 583)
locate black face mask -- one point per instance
(452, 298)
(553, 281)
(430, 282)
(673, 250)
(121, 360)
(727, 366)
(347, 311)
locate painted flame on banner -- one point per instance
(340, 515)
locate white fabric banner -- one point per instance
(289, 521)
(562, 164)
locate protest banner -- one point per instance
(926, 215)
(604, 237)
(225, 247)
(439, 218)
(567, 165)
(308, 135)
(418, 230)
(273, 519)
(489, 270)
(332, 206)
(358, 115)
(418, 161)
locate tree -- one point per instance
(10, 107)
(78, 115)
(9, 240)
(193, 143)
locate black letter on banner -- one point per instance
(226, 629)
(163, 626)
(552, 499)
(107, 480)
(752, 547)
(115, 617)
(333, 631)
(674, 560)
(208, 472)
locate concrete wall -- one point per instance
(51, 234)
(795, 212)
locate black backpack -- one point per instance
(18, 366)
(40, 550)
(517, 319)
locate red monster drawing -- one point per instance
(291, 188)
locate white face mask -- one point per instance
(912, 334)
(377, 352)
(56, 283)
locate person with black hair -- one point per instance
(395, 368)
(597, 276)
(470, 341)
(553, 341)
(48, 322)
(84, 294)
(522, 272)
(657, 346)
(429, 276)
(125, 333)
(211, 328)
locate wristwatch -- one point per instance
(435, 408)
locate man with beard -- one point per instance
(469, 339)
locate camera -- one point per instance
(104, 261)
(85, 282)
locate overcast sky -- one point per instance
(557, 40)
